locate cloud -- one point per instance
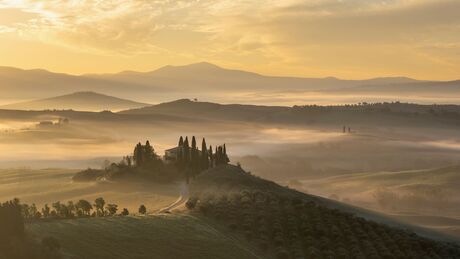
(296, 34)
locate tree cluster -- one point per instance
(143, 154)
(192, 160)
(82, 208)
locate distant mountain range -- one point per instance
(198, 80)
(82, 101)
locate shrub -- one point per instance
(125, 212)
(142, 210)
(191, 203)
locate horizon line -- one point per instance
(224, 68)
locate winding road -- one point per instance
(182, 199)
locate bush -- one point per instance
(142, 210)
(125, 212)
(191, 203)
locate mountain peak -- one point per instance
(201, 66)
(83, 94)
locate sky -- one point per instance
(351, 39)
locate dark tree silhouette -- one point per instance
(225, 157)
(112, 209)
(138, 154)
(186, 159)
(204, 155)
(46, 211)
(125, 212)
(211, 157)
(149, 152)
(186, 152)
(11, 221)
(194, 159)
(142, 209)
(84, 207)
(180, 151)
(99, 204)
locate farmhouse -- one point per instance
(171, 154)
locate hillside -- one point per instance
(288, 224)
(148, 237)
(82, 101)
(232, 214)
(365, 114)
(208, 110)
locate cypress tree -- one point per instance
(138, 154)
(149, 152)
(204, 155)
(211, 157)
(194, 163)
(186, 155)
(219, 156)
(180, 151)
(224, 156)
(186, 159)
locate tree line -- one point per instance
(14, 243)
(82, 208)
(192, 160)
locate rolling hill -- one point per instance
(82, 101)
(365, 114)
(149, 237)
(285, 223)
(232, 214)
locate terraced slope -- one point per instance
(284, 223)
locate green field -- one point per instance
(159, 236)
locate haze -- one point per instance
(226, 121)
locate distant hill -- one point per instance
(206, 76)
(82, 101)
(208, 110)
(433, 88)
(200, 80)
(376, 114)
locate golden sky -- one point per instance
(310, 38)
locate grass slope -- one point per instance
(161, 236)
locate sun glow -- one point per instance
(314, 38)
